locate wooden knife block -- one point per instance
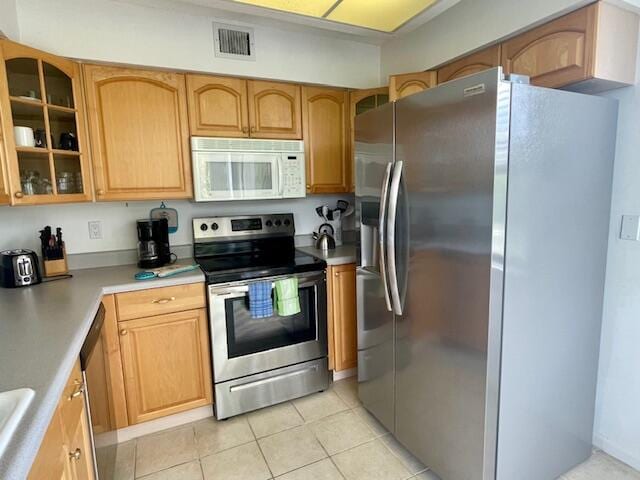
(54, 268)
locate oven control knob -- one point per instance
(269, 223)
(204, 227)
(278, 223)
(287, 222)
(214, 226)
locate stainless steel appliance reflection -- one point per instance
(479, 306)
(261, 361)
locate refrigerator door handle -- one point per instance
(382, 223)
(391, 237)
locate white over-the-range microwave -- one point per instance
(247, 169)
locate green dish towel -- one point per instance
(285, 297)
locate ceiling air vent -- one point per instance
(232, 41)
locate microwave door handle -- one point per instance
(280, 176)
(382, 224)
(394, 193)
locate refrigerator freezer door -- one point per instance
(374, 157)
(453, 142)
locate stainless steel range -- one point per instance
(258, 362)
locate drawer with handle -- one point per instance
(156, 301)
(72, 401)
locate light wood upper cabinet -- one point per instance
(217, 106)
(325, 121)
(139, 131)
(361, 101)
(166, 364)
(474, 63)
(274, 110)
(4, 190)
(594, 47)
(235, 107)
(42, 93)
(556, 53)
(342, 316)
(407, 84)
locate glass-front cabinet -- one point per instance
(44, 136)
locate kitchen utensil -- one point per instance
(53, 252)
(40, 137)
(325, 212)
(324, 241)
(326, 228)
(342, 205)
(164, 271)
(66, 182)
(19, 268)
(68, 141)
(24, 136)
(319, 211)
(171, 214)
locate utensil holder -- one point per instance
(55, 268)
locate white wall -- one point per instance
(118, 32)
(466, 26)
(21, 224)
(9, 19)
(617, 427)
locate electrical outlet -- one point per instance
(95, 230)
(630, 227)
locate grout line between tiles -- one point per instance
(260, 448)
(327, 453)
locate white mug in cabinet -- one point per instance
(24, 137)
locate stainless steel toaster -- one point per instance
(19, 268)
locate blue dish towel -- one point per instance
(260, 303)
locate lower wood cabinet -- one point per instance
(166, 364)
(65, 452)
(153, 358)
(342, 331)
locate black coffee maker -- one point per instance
(153, 243)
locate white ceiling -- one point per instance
(240, 12)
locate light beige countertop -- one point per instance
(341, 255)
(42, 328)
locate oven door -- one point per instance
(237, 175)
(243, 345)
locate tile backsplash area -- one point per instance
(117, 220)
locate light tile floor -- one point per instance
(326, 436)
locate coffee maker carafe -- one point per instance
(153, 243)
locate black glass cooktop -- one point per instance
(245, 265)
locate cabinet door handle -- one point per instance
(79, 391)
(18, 194)
(76, 454)
(124, 332)
(253, 129)
(99, 192)
(162, 301)
(245, 130)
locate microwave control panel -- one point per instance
(293, 175)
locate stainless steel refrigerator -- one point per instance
(483, 216)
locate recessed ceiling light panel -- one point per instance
(311, 8)
(383, 15)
